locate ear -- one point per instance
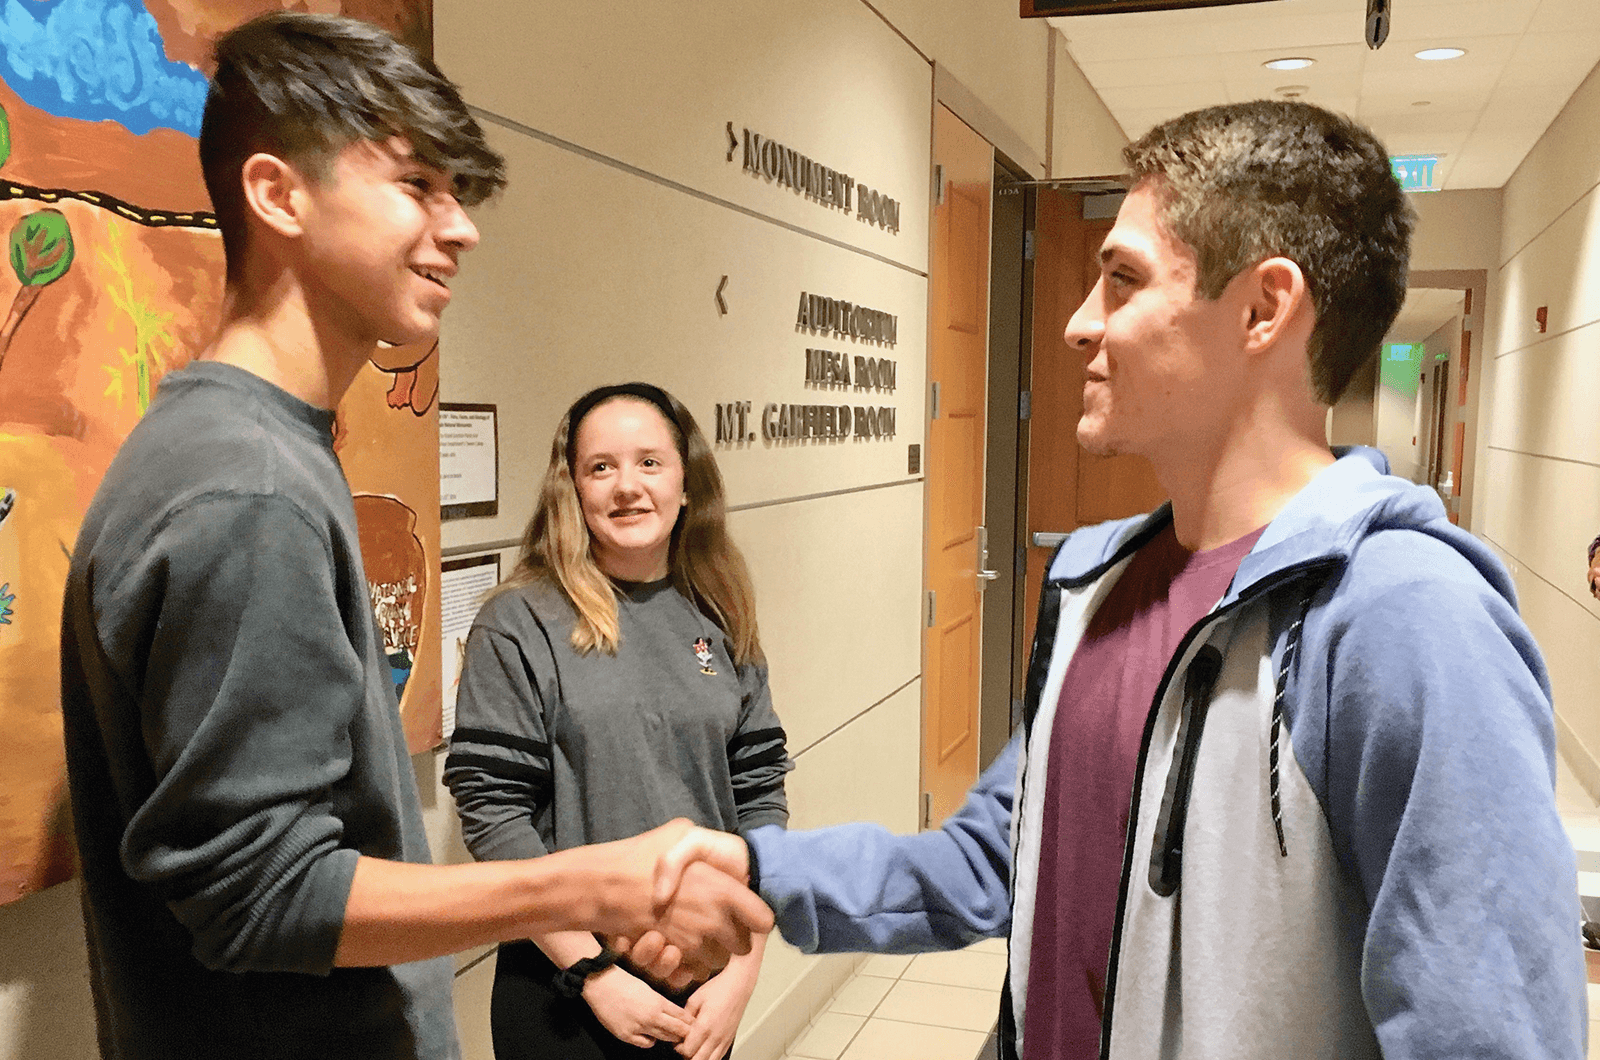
(1278, 304)
(272, 193)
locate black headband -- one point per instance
(643, 391)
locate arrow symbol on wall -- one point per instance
(722, 306)
(733, 142)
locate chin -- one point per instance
(1095, 441)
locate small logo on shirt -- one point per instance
(702, 651)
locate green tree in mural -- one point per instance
(41, 253)
(153, 343)
(5, 136)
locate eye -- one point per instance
(598, 466)
(651, 461)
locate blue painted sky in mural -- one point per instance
(98, 60)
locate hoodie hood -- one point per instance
(1325, 523)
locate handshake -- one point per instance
(677, 900)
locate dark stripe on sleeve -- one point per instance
(537, 748)
(752, 792)
(769, 757)
(747, 739)
(499, 767)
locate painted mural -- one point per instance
(114, 278)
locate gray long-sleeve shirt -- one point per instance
(233, 741)
(555, 749)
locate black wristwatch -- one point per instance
(568, 982)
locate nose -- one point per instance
(1088, 323)
(455, 227)
(626, 484)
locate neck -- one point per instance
(270, 331)
(1242, 479)
(642, 568)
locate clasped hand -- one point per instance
(688, 906)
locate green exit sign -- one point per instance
(1414, 172)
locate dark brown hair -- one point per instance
(1249, 181)
(303, 87)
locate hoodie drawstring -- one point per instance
(1291, 648)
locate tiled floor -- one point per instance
(1582, 818)
(935, 1006)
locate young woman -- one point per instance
(616, 682)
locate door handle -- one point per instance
(984, 573)
(1045, 539)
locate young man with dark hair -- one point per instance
(255, 874)
(1284, 786)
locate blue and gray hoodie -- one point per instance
(1343, 838)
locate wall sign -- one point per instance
(767, 158)
(824, 369)
(463, 583)
(469, 463)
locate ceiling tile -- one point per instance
(1486, 108)
(1561, 16)
(1183, 97)
(1539, 57)
(1421, 121)
(1448, 24)
(1173, 69)
(1479, 173)
(1483, 54)
(1443, 144)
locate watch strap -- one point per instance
(568, 982)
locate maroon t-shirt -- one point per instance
(1106, 696)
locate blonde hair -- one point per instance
(704, 563)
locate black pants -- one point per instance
(530, 1021)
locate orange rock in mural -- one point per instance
(114, 279)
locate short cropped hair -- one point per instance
(1249, 181)
(303, 87)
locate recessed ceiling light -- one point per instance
(1293, 63)
(1436, 54)
(1291, 91)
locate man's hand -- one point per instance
(708, 914)
(720, 850)
(693, 850)
(627, 1007)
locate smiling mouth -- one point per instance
(628, 513)
(432, 276)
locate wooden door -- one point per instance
(1068, 487)
(958, 335)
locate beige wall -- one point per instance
(1001, 59)
(601, 263)
(1456, 230)
(1538, 495)
(1085, 140)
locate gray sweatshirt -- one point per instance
(233, 741)
(555, 749)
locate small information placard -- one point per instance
(462, 585)
(469, 463)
